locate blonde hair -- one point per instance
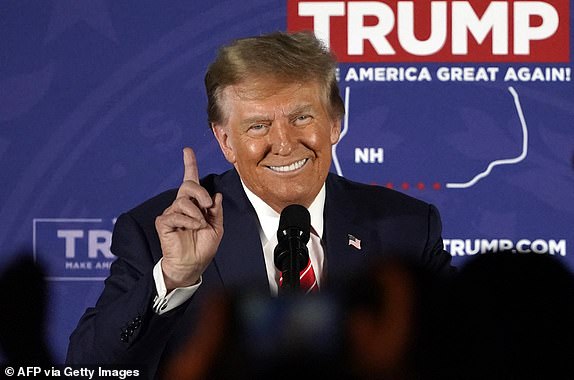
(291, 57)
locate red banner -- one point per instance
(437, 31)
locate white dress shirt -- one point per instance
(268, 223)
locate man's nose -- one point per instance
(281, 138)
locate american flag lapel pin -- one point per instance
(354, 241)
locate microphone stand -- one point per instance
(292, 273)
(292, 256)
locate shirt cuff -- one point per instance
(163, 301)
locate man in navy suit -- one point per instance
(274, 108)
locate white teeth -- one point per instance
(289, 168)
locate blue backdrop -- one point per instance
(97, 99)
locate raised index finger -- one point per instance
(190, 172)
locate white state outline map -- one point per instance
(450, 185)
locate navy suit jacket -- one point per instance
(122, 327)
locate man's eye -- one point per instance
(257, 129)
(303, 119)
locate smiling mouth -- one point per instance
(289, 168)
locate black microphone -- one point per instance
(291, 253)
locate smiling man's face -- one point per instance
(278, 136)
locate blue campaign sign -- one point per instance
(73, 249)
(97, 99)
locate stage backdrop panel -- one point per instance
(445, 102)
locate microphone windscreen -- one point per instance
(295, 217)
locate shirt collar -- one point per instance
(269, 218)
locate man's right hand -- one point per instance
(189, 230)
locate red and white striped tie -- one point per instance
(307, 280)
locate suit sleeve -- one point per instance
(122, 328)
(435, 258)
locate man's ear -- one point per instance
(223, 139)
(335, 131)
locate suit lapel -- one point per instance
(240, 259)
(343, 220)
